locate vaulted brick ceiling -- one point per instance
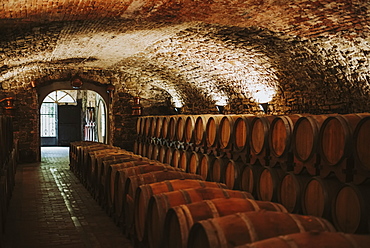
(211, 50)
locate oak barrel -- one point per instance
(268, 183)
(144, 192)
(362, 150)
(226, 131)
(181, 218)
(242, 133)
(313, 239)
(247, 227)
(249, 178)
(350, 211)
(204, 168)
(160, 203)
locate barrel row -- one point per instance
(319, 145)
(171, 208)
(299, 193)
(8, 164)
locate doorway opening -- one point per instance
(72, 115)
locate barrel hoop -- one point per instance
(188, 219)
(289, 241)
(326, 224)
(226, 194)
(218, 235)
(299, 224)
(277, 207)
(165, 196)
(186, 196)
(202, 184)
(189, 216)
(169, 185)
(249, 224)
(255, 205)
(350, 239)
(213, 208)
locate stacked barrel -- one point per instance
(171, 192)
(8, 162)
(311, 164)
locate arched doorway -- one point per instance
(72, 115)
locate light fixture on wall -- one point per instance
(136, 109)
(264, 107)
(178, 110)
(110, 90)
(76, 83)
(9, 105)
(220, 109)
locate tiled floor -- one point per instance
(50, 208)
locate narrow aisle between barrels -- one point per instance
(51, 208)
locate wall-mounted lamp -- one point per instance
(178, 110)
(110, 89)
(136, 109)
(220, 109)
(76, 83)
(9, 105)
(33, 84)
(264, 107)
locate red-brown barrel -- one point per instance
(158, 126)
(175, 161)
(194, 162)
(290, 191)
(226, 131)
(242, 133)
(280, 140)
(259, 145)
(160, 203)
(313, 239)
(305, 143)
(362, 150)
(318, 195)
(249, 178)
(180, 219)
(200, 130)
(350, 210)
(247, 227)
(162, 153)
(189, 129)
(144, 192)
(168, 156)
(268, 183)
(212, 130)
(335, 144)
(139, 130)
(165, 124)
(204, 169)
(180, 127)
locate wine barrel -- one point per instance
(200, 130)
(218, 168)
(175, 161)
(249, 178)
(158, 126)
(181, 218)
(205, 164)
(242, 133)
(247, 227)
(184, 160)
(165, 127)
(361, 171)
(280, 141)
(305, 143)
(168, 156)
(212, 131)
(226, 131)
(313, 239)
(138, 127)
(194, 162)
(259, 149)
(180, 127)
(268, 183)
(318, 196)
(350, 212)
(160, 203)
(189, 128)
(172, 125)
(144, 192)
(133, 182)
(148, 126)
(336, 146)
(161, 154)
(290, 191)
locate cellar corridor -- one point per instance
(50, 208)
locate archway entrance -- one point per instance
(72, 115)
